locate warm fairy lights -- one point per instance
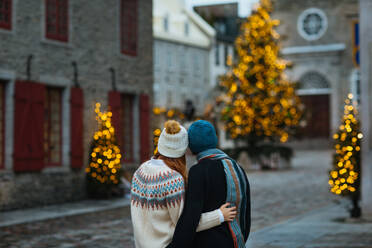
(169, 113)
(259, 101)
(105, 154)
(156, 134)
(344, 178)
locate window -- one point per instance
(157, 52)
(169, 98)
(57, 20)
(312, 24)
(217, 54)
(355, 84)
(2, 123)
(226, 53)
(166, 23)
(53, 126)
(220, 28)
(129, 27)
(313, 80)
(196, 63)
(187, 28)
(127, 127)
(169, 58)
(182, 57)
(6, 14)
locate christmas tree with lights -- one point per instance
(104, 158)
(344, 178)
(260, 104)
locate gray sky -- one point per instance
(244, 5)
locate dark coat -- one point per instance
(206, 192)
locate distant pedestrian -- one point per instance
(214, 180)
(158, 193)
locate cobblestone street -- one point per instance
(276, 197)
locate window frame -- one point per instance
(47, 157)
(301, 27)
(126, 30)
(7, 25)
(57, 36)
(187, 28)
(217, 54)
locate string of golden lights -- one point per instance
(344, 176)
(105, 156)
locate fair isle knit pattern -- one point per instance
(157, 191)
(157, 203)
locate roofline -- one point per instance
(201, 23)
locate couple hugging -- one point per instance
(209, 207)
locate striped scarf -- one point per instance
(236, 192)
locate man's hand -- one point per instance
(229, 213)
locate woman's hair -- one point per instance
(177, 164)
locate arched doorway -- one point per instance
(314, 91)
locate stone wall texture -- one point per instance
(336, 66)
(94, 43)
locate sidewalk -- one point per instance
(321, 228)
(58, 211)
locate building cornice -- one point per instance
(182, 40)
(336, 47)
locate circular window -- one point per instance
(312, 24)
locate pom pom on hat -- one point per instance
(202, 136)
(172, 127)
(173, 140)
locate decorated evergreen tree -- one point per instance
(345, 175)
(104, 158)
(260, 104)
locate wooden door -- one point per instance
(317, 116)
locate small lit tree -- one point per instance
(345, 174)
(104, 158)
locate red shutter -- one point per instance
(145, 127)
(115, 108)
(29, 126)
(77, 128)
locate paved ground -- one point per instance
(280, 195)
(322, 228)
(280, 200)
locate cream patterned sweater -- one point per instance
(157, 199)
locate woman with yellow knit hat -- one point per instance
(158, 192)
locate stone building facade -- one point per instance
(183, 44)
(366, 103)
(57, 59)
(318, 36)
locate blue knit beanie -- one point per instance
(202, 136)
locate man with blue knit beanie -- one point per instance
(214, 180)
